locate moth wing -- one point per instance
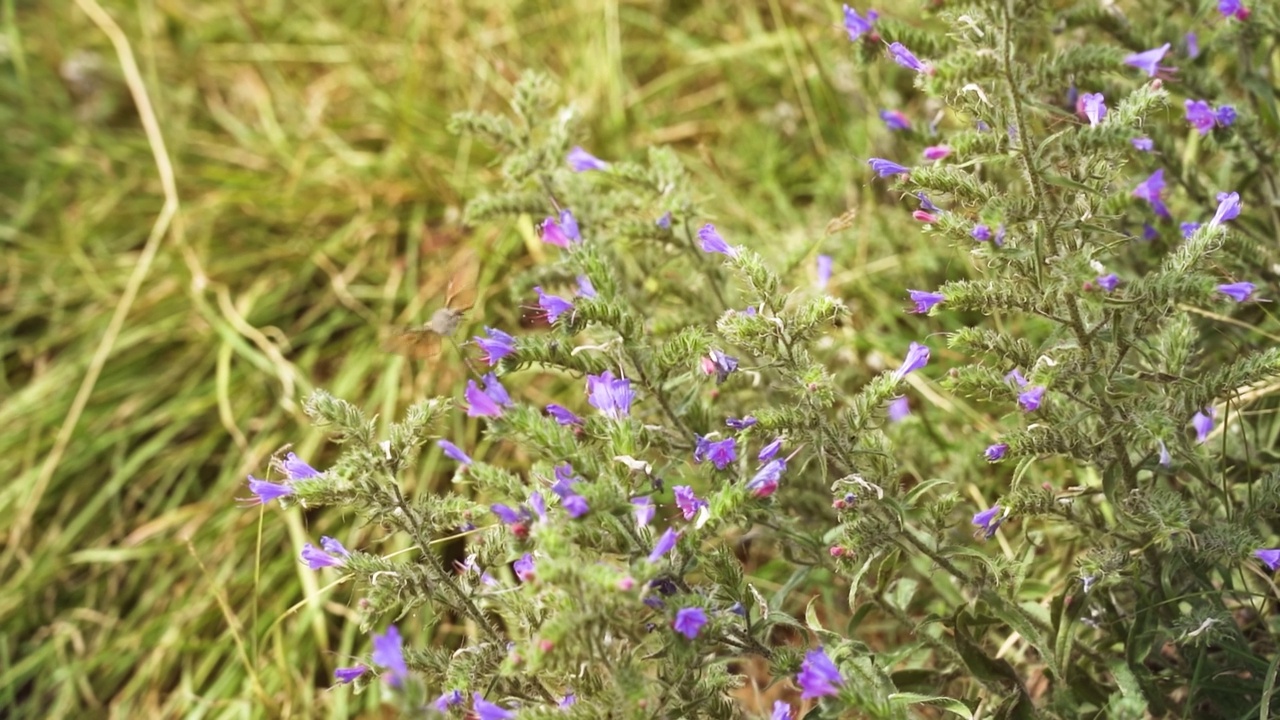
(419, 343)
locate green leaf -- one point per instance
(1268, 688)
(1016, 619)
(811, 620)
(951, 705)
(922, 488)
(1061, 181)
(855, 581)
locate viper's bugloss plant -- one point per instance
(1121, 570)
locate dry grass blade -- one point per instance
(138, 91)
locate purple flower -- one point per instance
(824, 271)
(981, 233)
(349, 674)
(917, 357)
(1200, 115)
(565, 480)
(1015, 376)
(506, 514)
(496, 346)
(1095, 107)
(1151, 190)
(452, 698)
(988, 520)
(1225, 115)
(1149, 233)
(524, 568)
(856, 25)
(297, 469)
(1188, 229)
(569, 224)
(453, 451)
(765, 481)
(768, 451)
(268, 491)
(1031, 398)
(554, 306)
(899, 409)
(781, 711)
(1193, 45)
(887, 168)
(538, 504)
(1145, 144)
(689, 621)
(1233, 9)
(1270, 557)
(924, 217)
(688, 502)
(1108, 282)
(721, 453)
(575, 505)
(581, 161)
(664, 545)
(388, 653)
(612, 396)
(937, 152)
(567, 701)
(643, 509)
(926, 205)
(818, 676)
(1165, 459)
(713, 243)
(333, 554)
(495, 391)
(488, 711)
(895, 120)
(925, 300)
(999, 239)
(740, 423)
(996, 452)
(719, 364)
(1203, 424)
(905, 58)
(1148, 61)
(480, 403)
(553, 234)
(585, 288)
(1239, 291)
(1228, 208)
(563, 415)
(664, 222)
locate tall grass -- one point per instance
(319, 204)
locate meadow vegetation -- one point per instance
(154, 355)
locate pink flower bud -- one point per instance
(936, 152)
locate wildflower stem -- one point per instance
(1024, 153)
(413, 525)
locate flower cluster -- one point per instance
(1081, 395)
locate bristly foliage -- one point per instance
(710, 396)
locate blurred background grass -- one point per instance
(319, 203)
